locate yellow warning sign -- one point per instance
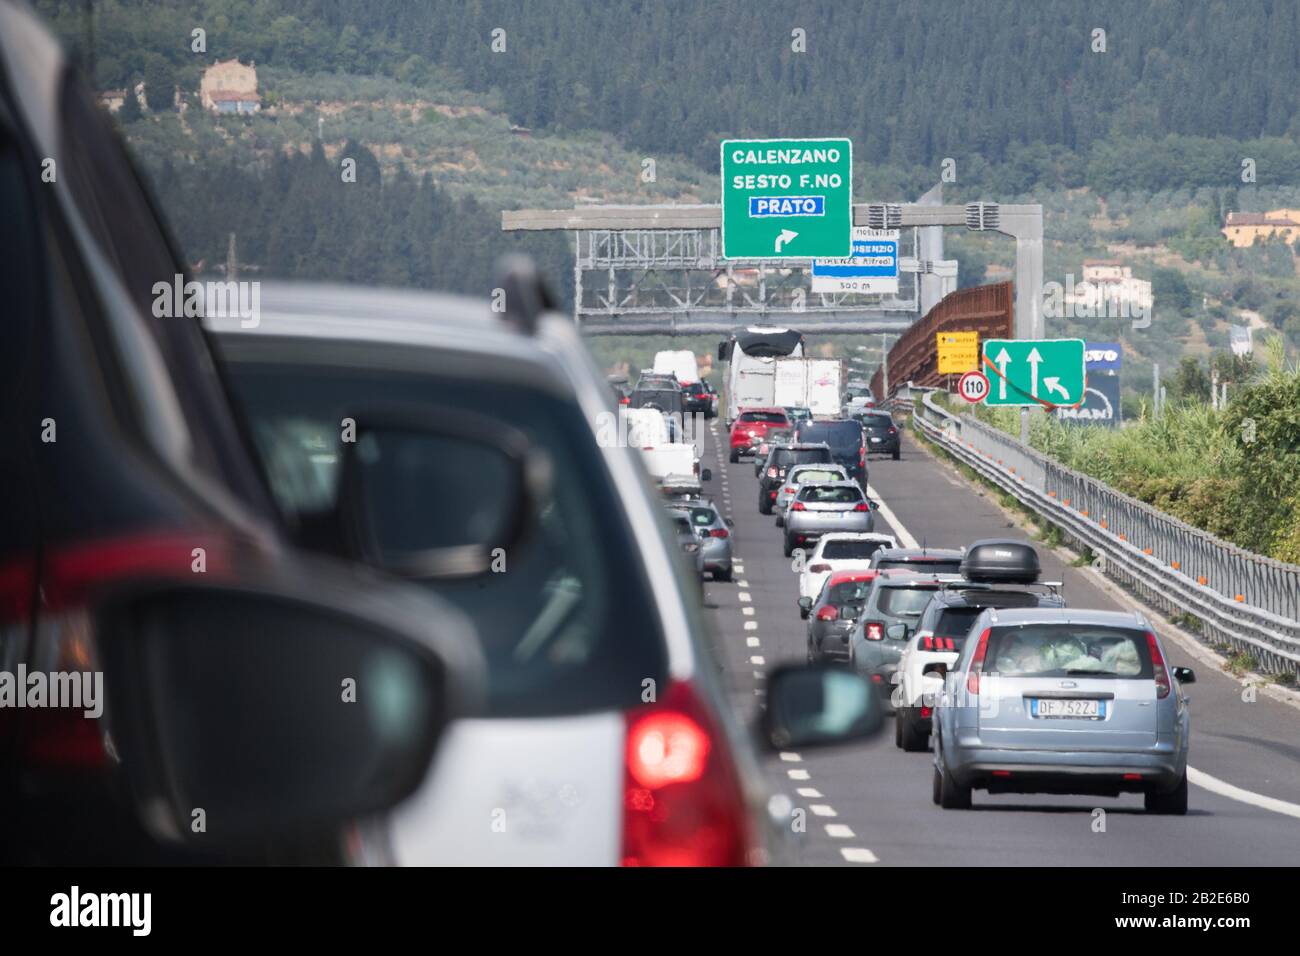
(958, 352)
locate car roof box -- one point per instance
(1001, 560)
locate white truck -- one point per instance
(751, 355)
(681, 364)
(813, 383)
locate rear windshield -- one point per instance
(552, 625)
(835, 434)
(848, 592)
(904, 602)
(844, 550)
(930, 567)
(1059, 650)
(812, 475)
(830, 494)
(668, 400)
(955, 623)
(702, 516)
(769, 417)
(876, 423)
(802, 456)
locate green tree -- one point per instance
(159, 83)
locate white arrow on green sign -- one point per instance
(787, 198)
(1034, 371)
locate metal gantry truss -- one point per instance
(653, 270)
(631, 281)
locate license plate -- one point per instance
(1045, 707)
(875, 439)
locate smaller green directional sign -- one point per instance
(1034, 371)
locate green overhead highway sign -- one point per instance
(787, 198)
(1034, 371)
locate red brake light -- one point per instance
(861, 506)
(977, 663)
(893, 430)
(828, 613)
(719, 532)
(1158, 665)
(798, 506)
(875, 631)
(788, 491)
(683, 805)
(819, 568)
(925, 711)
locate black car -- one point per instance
(697, 397)
(667, 399)
(779, 461)
(882, 436)
(142, 559)
(847, 440)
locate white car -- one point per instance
(839, 551)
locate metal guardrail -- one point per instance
(1242, 599)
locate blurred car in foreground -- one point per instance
(142, 558)
(1063, 700)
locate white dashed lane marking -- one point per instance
(757, 660)
(839, 831)
(789, 757)
(751, 642)
(823, 810)
(810, 792)
(857, 854)
(751, 625)
(797, 774)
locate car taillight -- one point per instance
(719, 532)
(819, 568)
(874, 631)
(861, 506)
(937, 644)
(1158, 666)
(788, 491)
(893, 430)
(828, 613)
(977, 663)
(625, 401)
(798, 506)
(65, 643)
(925, 711)
(682, 800)
(772, 495)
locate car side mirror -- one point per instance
(706, 475)
(1184, 675)
(430, 494)
(728, 522)
(897, 632)
(805, 606)
(283, 714)
(874, 505)
(818, 705)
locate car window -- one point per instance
(955, 622)
(848, 592)
(903, 602)
(801, 456)
(681, 523)
(812, 475)
(702, 516)
(851, 550)
(835, 434)
(566, 627)
(830, 494)
(1057, 650)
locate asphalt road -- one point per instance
(870, 803)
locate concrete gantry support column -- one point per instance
(1025, 225)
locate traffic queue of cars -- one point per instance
(359, 578)
(977, 659)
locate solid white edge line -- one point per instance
(1225, 789)
(901, 533)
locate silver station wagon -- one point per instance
(1061, 700)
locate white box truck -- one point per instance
(816, 384)
(682, 364)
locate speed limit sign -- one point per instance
(973, 386)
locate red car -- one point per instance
(751, 427)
